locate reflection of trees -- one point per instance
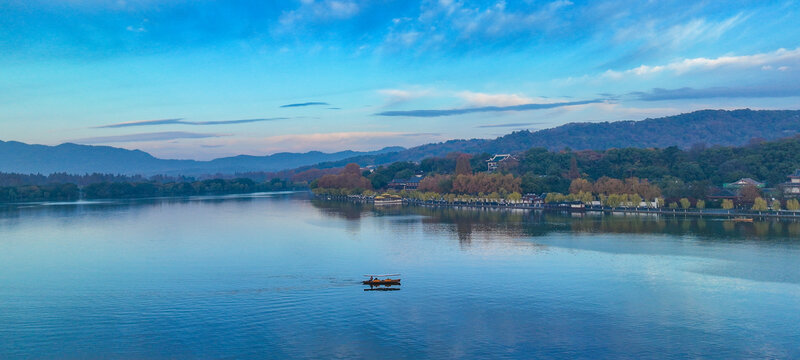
(465, 223)
(341, 209)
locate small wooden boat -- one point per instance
(376, 280)
(743, 219)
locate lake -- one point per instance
(278, 276)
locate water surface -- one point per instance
(277, 275)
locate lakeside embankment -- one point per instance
(488, 204)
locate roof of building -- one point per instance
(500, 157)
(414, 179)
(721, 193)
(743, 182)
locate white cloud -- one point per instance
(311, 11)
(660, 35)
(763, 60)
(447, 23)
(483, 99)
(398, 96)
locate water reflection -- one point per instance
(466, 223)
(279, 276)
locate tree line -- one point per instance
(123, 190)
(629, 173)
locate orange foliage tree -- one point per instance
(349, 178)
(486, 183)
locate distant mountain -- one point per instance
(79, 159)
(709, 127)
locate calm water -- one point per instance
(277, 275)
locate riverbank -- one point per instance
(489, 204)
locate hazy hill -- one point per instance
(79, 159)
(710, 127)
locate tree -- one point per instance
(607, 186)
(574, 173)
(514, 196)
(635, 200)
(673, 205)
(585, 197)
(727, 204)
(749, 193)
(613, 200)
(462, 165)
(554, 197)
(580, 185)
(776, 205)
(700, 204)
(685, 203)
(792, 204)
(759, 204)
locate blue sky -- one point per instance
(203, 79)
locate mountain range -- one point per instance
(707, 127)
(71, 158)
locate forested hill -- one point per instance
(709, 127)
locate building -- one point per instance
(533, 199)
(792, 188)
(742, 183)
(496, 161)
(405, 184)
(722, 194)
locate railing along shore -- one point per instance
(502, 204)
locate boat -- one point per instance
(743, 219)
(376, 280)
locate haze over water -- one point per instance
(277, 275)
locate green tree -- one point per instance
(793, 204)
(673, 205)
(776, 205)
(727, 204)
(635, 199)
(613, 200)
(759, 204)
(554, 197)
(514, 196)
(685, 203)
(700, 204)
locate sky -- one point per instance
(207, 79)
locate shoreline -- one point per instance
(713, 213)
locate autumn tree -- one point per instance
(573, 173)
(436, 183)
(607, 186)
(462, 165)
(349, 178)
(792, 204)
(776, 205)
(749, 193)
(580, 185)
